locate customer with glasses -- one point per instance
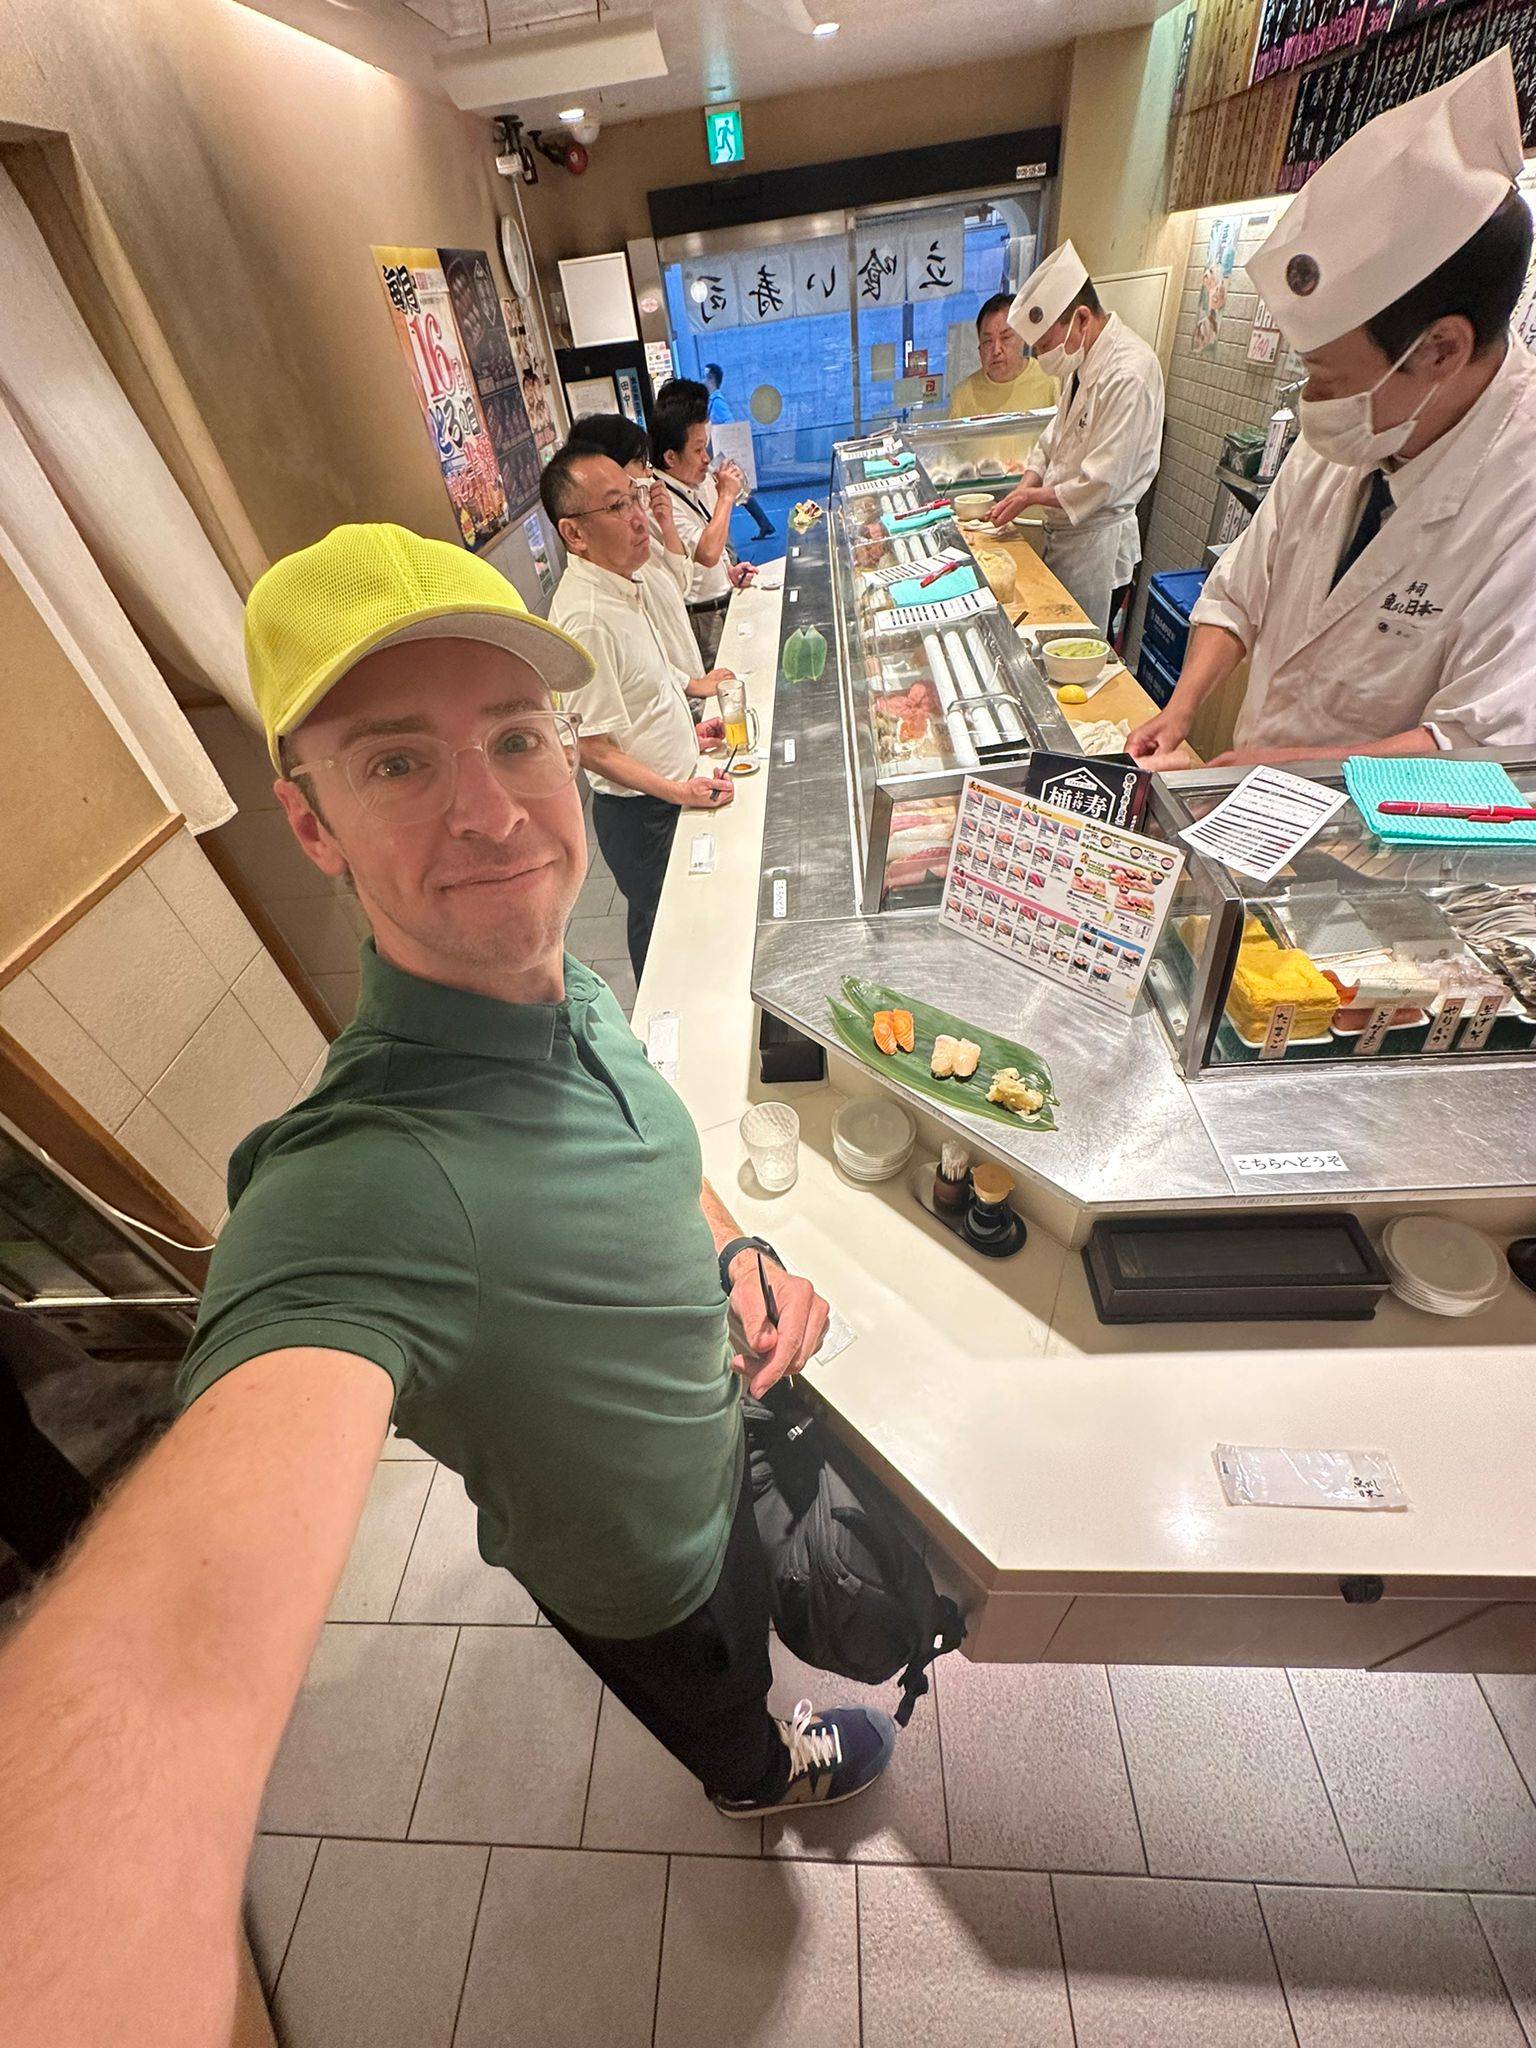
(702, 503)
(489, 1222)
(638, 743)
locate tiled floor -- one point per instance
(467, 1843)
(596, 935)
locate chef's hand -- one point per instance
(773, 1353)
(706, 792)
(741, 574)
(1159, 743)
(710, 732)
(1018, 500)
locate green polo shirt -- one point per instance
(498, 1204)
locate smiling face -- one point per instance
(1001, 351)
(479, 897)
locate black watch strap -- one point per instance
(742, 1244)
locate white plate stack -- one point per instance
(1445, 1268)
(872, 1138)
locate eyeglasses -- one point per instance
(411, 778)
(615, 508)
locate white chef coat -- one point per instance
(664, 584)
(693, 506)
(1432, 625)
(1099, 455)
(635, 693)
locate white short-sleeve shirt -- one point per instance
(636, 693)
(693, 506)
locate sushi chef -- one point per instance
(1095, 461)
(1382, 594)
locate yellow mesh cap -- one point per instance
(316, 613)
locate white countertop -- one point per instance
(1045, 1450)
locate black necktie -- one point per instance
(1378, 501)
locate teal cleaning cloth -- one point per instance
(955, 584)
(913, 522)
(880, 465)
(1377, 778)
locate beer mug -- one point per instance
(740, 723)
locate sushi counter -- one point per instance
(1062, 1469)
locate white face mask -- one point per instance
(1061, 362)
(1341, 429)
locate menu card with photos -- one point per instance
(1079, 902)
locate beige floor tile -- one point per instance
(275, 1879)
(960, 1959)
(132, 975)
(182, 873)
(351, 1761)
(268, 998)
(597, 938)
(223, 1083)
(1513, 1700)
(1510, 1925)
(641, 1797)
(899, 1820)
(1423, 1786)
(402, 1447)
(1386, 1970)
(597, 894)
(1033, 1768)
(179, 1167)
(1224, 1777)
(535, 1976)
(377, 1959)
(447, 1579)
(40, 1024)
(513, 1749)
(385, 1533)
(1162, 1963)
(759, 1955)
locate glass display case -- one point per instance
(991, 451)
(936, 684)
(1360, 948)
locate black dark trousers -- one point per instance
(43, 1499)
(702, 1687)
(635, 834)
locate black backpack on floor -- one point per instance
(848, 1591)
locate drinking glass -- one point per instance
(771, 1133)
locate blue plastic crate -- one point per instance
(1171, 598)
(1154, 676)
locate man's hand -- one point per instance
(1159, 743)
(741, 574)
(1018, 500)
(729, 480)
(774, 1353)
(660, 503)
(715, 677)
(710, 732)
(706, 792)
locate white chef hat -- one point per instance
(1046, 293)
(1391, 205)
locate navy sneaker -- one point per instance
(832, 1757)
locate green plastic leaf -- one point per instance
(855, 1017)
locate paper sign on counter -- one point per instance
(1080, 902)
(662, 1038)
(1262, 823)
(701, 859)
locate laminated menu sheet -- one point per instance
(1079, 902)
(901, 618)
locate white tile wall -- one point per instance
(1207, 397)
(163, 1016)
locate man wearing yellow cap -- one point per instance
(485, 1222)
(1382, 594)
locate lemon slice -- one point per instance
(1071, 693)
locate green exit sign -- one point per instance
(723, 133)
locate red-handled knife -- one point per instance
(1474, 814)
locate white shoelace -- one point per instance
(810, 1748)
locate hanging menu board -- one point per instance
(1079, 902)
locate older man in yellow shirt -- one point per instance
(1008, 380)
